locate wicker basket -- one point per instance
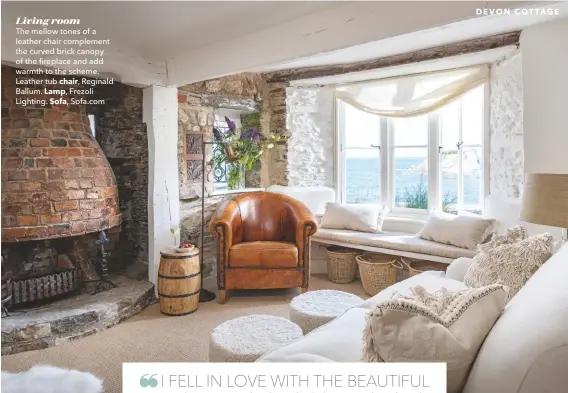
(411, 270)
(341, 264)
(378, 271)
(417, 266)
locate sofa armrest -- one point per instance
(458, 268)
(226, 228)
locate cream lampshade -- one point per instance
(545, 200)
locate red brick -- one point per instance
(56, 174)
(10, 186)
(66, 206)
(88, 173)
(37, 174)
(182, 98)
(58, 195)
(78, 227)
(33, 152)
(56, 152)
(63, 162)
(74, 143)
(30, 133)
(13, 233)
(72, 216)
(73, 152)
(96, 213)
(93, 225)
(76, 194)
(13, 163)
(47, 219)
(11, 153)
(42, 208)
(39, 142)
(52, 115)
(38, 197)
(73, 173)
(60, 229)
(31, 186)
(45, 162)
(8, 221)
(88, 205)
(36, 233)
(26, 221)
(89, 153)
(11, 209)
(86, 183)
(55, 186)
(15, 174)
(72, 184)
(17, 113)
(9, 134)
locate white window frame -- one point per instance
(434, 148)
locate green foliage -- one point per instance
(416, 197)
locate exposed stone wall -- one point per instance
(124, 140)
(196, 108)
(277, 158)
(507, 157)
(311, 145)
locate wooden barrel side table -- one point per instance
(179, 282)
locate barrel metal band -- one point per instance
(179, 277)
(177, 296)
(181, 256)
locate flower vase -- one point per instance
(235, 176)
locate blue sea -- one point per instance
(363, 181)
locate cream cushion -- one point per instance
(442, 327)
(393, 241)
(511, 235)
(465, 231)
(364, 217)
(511, 264)
(458, 268)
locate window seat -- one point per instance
(394, 243)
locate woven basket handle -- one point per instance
(404, 264)
(397, 264)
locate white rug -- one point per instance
(49, 379)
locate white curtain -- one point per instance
(412, 95)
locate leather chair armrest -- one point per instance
(226, 223)
(305, 225)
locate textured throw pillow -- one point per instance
(511, 235)
(465, 231)
(444, 327)
(511, 264)
(363, 217)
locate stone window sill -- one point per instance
(239, 191)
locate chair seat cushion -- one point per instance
(263, 254)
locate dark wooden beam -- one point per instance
(437, 52)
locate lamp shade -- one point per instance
(545, 199)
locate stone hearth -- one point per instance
(74, 317)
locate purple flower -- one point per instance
(257, 136)
(247, 134)
(231, 124)
(216, 134)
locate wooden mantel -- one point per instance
(434, 53)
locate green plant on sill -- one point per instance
(416, 197)
(241, 149)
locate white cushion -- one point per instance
(458, 268)
(393, 241)
(527, 349)
(510, 264)
(363, 217)
(444, 327)
(465, 231)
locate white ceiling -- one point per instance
(182, 42)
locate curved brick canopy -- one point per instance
(56, 180)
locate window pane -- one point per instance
(472, 169)
(449, 180)
(472, 112)
(450, 126)
(411, 131)
(411, 177)
(363, 175)
(361, 128)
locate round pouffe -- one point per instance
(314, 309)
(245, 339)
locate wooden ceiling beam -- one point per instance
(434, 53)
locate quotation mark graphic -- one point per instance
(148, 381)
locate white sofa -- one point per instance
(525, 352)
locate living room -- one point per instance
(212, 202)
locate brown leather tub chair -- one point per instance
(263, 242)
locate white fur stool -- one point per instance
(316, 308)
(245, 339)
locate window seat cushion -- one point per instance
(394, 241)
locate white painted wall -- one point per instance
(160, 113)
(545, 83)
(310, 113)
(506, 169)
